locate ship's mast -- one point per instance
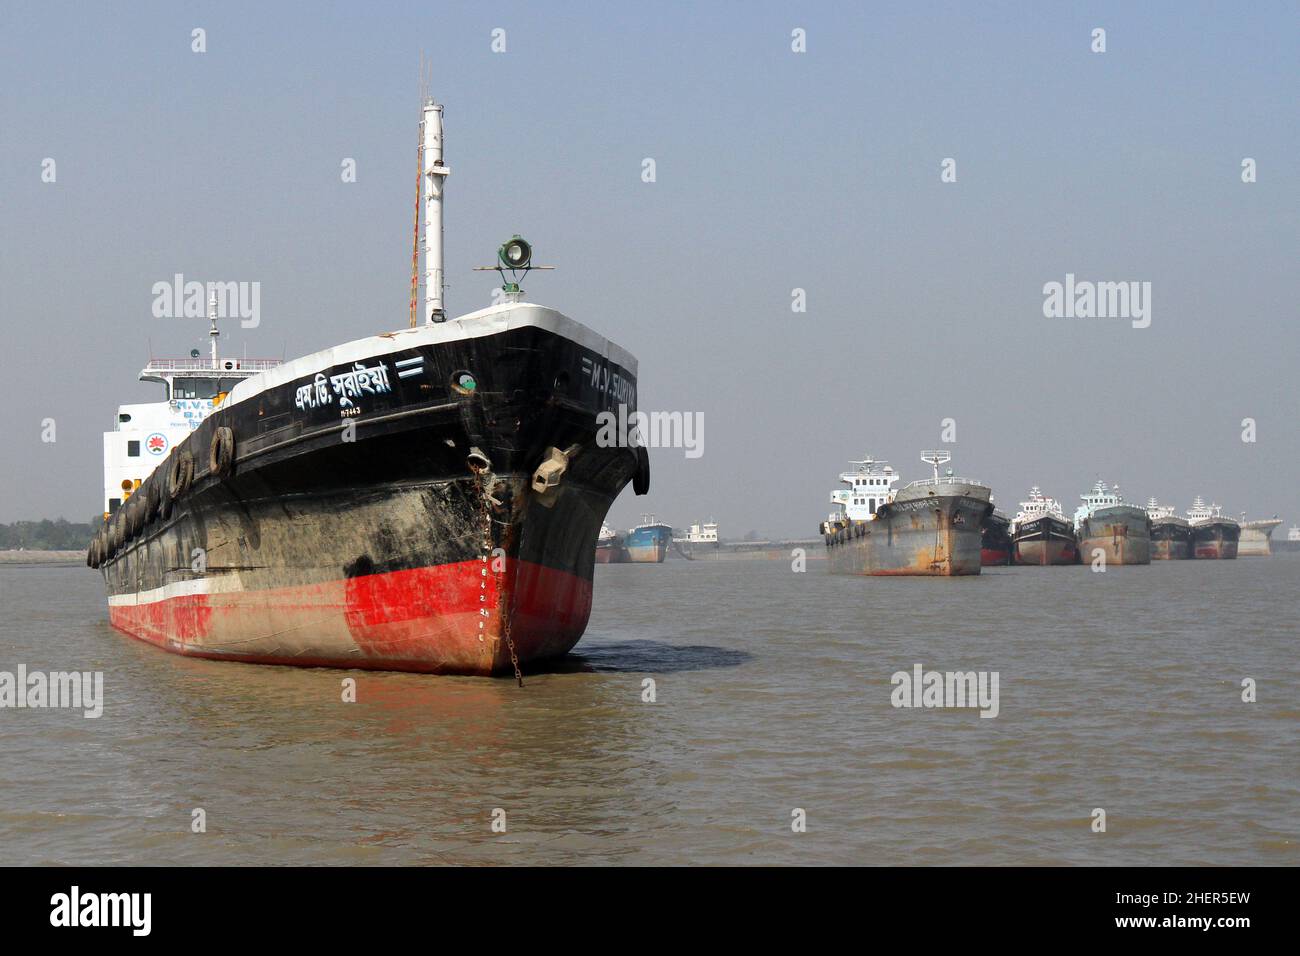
(212, 332)
(434, 175)
(936, 458)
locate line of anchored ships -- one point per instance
(947, 525)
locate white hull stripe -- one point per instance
(219, 585)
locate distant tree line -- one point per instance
(47, 535)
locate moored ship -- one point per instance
(648, 542)
(1105, 523)
(1256, 538)
(995, 540)
(1291, 543)
(1041, 533)
(426, 499)
(609, 546)
(1214, 534)
(702, 534)
(931, 527)
(1171, 535)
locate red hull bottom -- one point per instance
(455, 618)
(994, 557)
(1219, 551)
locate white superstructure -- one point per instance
(144, 434)
(1200, 511)
(703, 533)
(871, 484)
(1101, 496)
(1156, 510)
(1038, 506)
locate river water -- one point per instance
(1119, 691)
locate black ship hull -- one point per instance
(995, 541)
(1170, 540)
(1215, 539)
(1046, 541)
(385, 519)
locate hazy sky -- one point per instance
(775, 170)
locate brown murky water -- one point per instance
(1118, 690)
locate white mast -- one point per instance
(936, 458)
(212, 332)
(434, 174)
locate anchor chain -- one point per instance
(485, 509)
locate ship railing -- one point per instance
(946, 480)
(205, 365)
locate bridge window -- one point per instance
(194, 388)
(133, 449)
(202, 387)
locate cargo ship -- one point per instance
(702, 534)
(1171, 536)
(1256, 537)
(1214, 534)
(648, 542)
(995, 540)
(424, 499)
(1105, 523)
(1291, 543)
(609, 546)
(930, 527)
(1041, 533)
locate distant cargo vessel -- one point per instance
(609, 546)
(648, 542)
(1256, 537)
(1171, 536)
(1042, 534)
(1214, 534)
(702, 534)
(1121, 532)
(931, 527)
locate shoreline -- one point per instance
(17, 558)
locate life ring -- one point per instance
(641, 478)
(221, 454)
(180, 474)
